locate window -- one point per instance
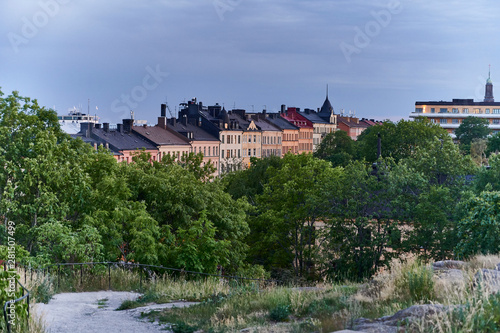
(254, 152)
(443, 110)
(433, 110)
(222, 153)
(222, 139)
(465, 110)
(239, 139)
(496, 121)
(419, 110)
(443, 121)
(433, 121)
(455, 110)
(455, 121)
(249, 152)
(255, 138)
(477, 111)
(487, 111)
(209, 151)
(204, 151)
(239, 153)
(496, 111)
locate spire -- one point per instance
(488, 95)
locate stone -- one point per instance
(488, 279)
(448, 264)
(400, 320)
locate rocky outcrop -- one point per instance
(489, 279)
(401, 321)
(449, 264)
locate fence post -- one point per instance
(81, 275)
(140, 276)
(59, 277)
(109, 275)
(24, 274)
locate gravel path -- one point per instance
(88, 312)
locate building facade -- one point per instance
(449, 115)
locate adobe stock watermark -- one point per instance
(381, 19)
(223, 6)
(31, 27)
(139, 93)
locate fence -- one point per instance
(25, 295)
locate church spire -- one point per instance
(488, 95)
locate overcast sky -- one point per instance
(377, 56)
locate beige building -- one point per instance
(449, 115)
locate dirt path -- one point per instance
(95, 312)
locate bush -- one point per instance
(280, 313)
(416, 283)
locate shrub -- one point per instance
(280, 313)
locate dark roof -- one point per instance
(457, 101)
(198, 133)
(160, 136)
(312, 116)
(122, 141)
(326, 109)
(265, 126)
(280, 122)
(351, 123)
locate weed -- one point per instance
(280, 313)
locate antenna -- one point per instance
(168, 108)
(327, 90)
(131, 114)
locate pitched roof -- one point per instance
(198, 133)
(160, 136)
(122, 141)
(282, 123)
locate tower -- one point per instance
(488, 95)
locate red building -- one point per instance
(306, 128)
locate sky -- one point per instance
(378, 57)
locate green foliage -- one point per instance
(337, 148)
(196, 249)
(479, 230)
(416, 284)
(493, 145)
(193, 163)
(488, 178)
(471, 128)
(8, 292)
(280, 313)
(399, 140)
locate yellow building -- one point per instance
(449, 115)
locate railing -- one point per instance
(8, 303)
(142, 268)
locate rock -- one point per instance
(498, 267)
(447, 264)
(452, 275)
(400, 320)
(488, 279)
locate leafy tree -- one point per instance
(337, 148)
(493, 144)
(472, 128)
(193, 163)
(479, 231)
(478, 151)
(487, 178)
(294, 201)
(362, 229)
(399, 140)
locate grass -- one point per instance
(232, 306)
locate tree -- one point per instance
(493, 144)
(472, 128)
(399, 140)
(295, 199)
(362, 233)
(337, 148)
(479, 230)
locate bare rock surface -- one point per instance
(488, 279)
(448, 264)
(95, 312)
(397, 322)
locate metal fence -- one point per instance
(24, 296)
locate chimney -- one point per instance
(127, 125)
(184, 120)
(98, 126)
(283, 108)
(162, 122)
(86, 129)
(119, 128)
(105, 127)
(163, 110)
